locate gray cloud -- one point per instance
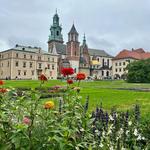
(109, 24)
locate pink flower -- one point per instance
(26, 120)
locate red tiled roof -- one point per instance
(135, 54)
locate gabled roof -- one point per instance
(98, 53)
(134, 54)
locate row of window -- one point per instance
(25, 72)
(120, 69)
(30, 57)
(31, 65)
(120, 64)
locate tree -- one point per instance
(139, 71)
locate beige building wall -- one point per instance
(16, 64)
(119, 67)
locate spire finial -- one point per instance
(56, 10)
(84, 38)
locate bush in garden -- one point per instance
(28, 123)
(139, 71)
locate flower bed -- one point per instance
(65, 124)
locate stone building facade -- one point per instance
(23, 62)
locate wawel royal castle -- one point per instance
(26, 62)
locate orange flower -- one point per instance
(49, 105)
(80, 76)
(1, 82)
(43, 77)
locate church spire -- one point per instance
(73, 34)
(84, 39)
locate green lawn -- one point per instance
(106, 92)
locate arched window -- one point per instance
(57, 33)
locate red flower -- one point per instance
(43, 77)
(67, 71)
(1, 82)
(2, 90)
(80, 76)
(69, 81)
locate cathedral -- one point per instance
(93, 62)
(27, 62)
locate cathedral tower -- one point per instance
(55, 33)
(73, 48)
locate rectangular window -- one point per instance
(40, 65)
(116, 64)
(24, 64)
(124, 69)
(24, 56)
(120, 69)
(120, 64)
(48, 66)
(53, 67)
(30, 56)
(32, 72)
(16, 55)
(52, 59)
(39, 58)
(116, 70)
(124, 63)
(17, 64)
(31, 64)
(19, 72)
(25, 73)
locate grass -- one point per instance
(106, 92)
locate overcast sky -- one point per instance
(111, 25)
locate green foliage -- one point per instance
(139, 71)
(67, 126)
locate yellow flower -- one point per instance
(49, 105)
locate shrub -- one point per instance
(139, 71)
